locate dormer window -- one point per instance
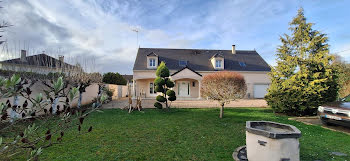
(218, 63)
(182, 63)
(152, 62)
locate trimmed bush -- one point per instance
(162, 70)
(159, 81)
(169, 83)
(170, 93)
(163, 83)
(160, 98)
(158, 105)
(159, 89)
(172, 98)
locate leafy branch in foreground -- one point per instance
(40, 121)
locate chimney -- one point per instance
(23, 55)
(61, 58)
(233, 49)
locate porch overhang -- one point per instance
(186, 73)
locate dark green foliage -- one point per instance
(169, 83)
(159, 88)
(113, 78)
(163, 83)
(172, 98)
(303, 78)
(159, 81)
(162, 70)
(160, 98)
(158, 105)
(170, 93)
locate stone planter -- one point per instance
(271, 141)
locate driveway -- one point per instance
(148, 103)
(314, 120)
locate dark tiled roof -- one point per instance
(127, 77)
(42, 60)
(199, 59)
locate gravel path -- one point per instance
(120, 103)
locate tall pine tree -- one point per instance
(303, 78)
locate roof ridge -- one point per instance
(196, 49)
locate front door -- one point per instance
(184, 88)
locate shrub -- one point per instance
(160, 98)
(163, 83)
(159, 81)
(172, 98)
(223, 87)
(170, 93)
(170, 83)
(159, 89)
(158, 105)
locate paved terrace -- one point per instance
(147, 103)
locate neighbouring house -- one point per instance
(128, 78)
(41, 64)
(188, 66)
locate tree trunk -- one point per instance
(222, 110)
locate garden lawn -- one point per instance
(184, 134)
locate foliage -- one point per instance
(47, 116)
(303, 78)
(223, 87)
(158, 105)
(185, 134)
(113, 78)
(163, 84)
(160, 98)
(162, 71)
(343, 70)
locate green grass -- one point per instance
(184, 134)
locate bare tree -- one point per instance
(223, 87)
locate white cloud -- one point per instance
(102, 29)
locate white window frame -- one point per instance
(152, 62)
(153, 88)
(218, 63)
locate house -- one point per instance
(188, 67)
(41, 64)
(128, 78)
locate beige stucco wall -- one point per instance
(143, 78)
(194, 91)
(117, 89)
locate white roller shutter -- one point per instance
(260, 90)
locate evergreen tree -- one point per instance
(163, 85)
(113, 78)
(303, 78)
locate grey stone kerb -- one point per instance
(272, 129)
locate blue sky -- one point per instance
(98, 33)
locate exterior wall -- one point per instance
(144, 77)
(251, 79)
(35, 69)
(88, 96)
(194, 91)
(143, 88)
(119, 91)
